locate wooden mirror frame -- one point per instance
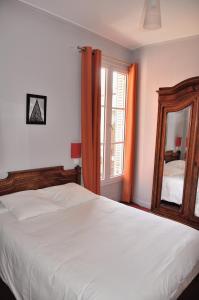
(172, 99)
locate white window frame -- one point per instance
(111, 67)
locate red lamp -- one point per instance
(178, 141)
(186, 146)
(76, 152)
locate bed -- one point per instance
(81, 246)
(173, 183)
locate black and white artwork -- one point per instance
(36, 109)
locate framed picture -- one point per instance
(36, 109)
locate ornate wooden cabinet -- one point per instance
(175, 185)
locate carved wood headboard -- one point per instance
(38, 178)
(171, 155)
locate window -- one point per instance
(113, 101)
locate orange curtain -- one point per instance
(90, 118)
(129, 152)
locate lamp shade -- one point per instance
(178, 141)
(75, 150)
(152, 19)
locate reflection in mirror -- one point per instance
(197, 202)
(177, 139)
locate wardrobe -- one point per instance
(175, 184)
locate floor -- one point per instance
(136, 206)
(192, 292)
(5, 293)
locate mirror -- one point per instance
(176, 144)
(176, 167)
(197, 202)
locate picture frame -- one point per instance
(36, 109)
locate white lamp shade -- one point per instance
(152, 18)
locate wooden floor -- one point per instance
(5, 293)
(192, 292)
(136, 206)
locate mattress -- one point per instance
(97, 250)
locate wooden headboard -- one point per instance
(38, 178)
(171, 155)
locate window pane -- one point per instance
(102, 125)
(103, 85)
(117, 125)
(116, 159)
(119, 90)
(102, 161)
(103, 102)
(112, 111)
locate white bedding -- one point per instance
(28, 204)
(173, 183)
(97, 250)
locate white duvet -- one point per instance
(97, 250)
(173, 183)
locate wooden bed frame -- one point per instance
(38, 178)
(45, 177)
(170, 155)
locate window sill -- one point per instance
(111, 180)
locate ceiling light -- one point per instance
(152, 19)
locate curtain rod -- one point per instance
(107, 56)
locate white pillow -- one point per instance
(27, 204)
(67, 195)
(174, 168)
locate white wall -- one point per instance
(159, 66)
(38, 55)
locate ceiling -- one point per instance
(121, 20)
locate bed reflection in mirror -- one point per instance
(177, 140)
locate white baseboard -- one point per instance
(143, 203)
